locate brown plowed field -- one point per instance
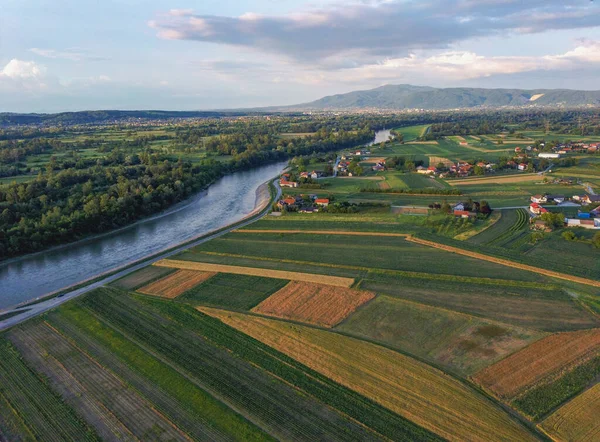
(337, 281)
(505, 262)
(313, 303)
(175, 284)
(525, 368)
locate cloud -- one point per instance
(440, 67)
(19, 70)
(368, 30)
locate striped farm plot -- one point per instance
(541, 360)
(317, 304)
(175, 284)
(434, 161)
(253, 271)
(578, 419)
(506, 179)
(414, 390)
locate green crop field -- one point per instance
(413, 132)
(541, 400)
(512, 223)
(529, 306)
(460, 342)
(284, 399)
(226, 290)
(33, 409)
(365, 252)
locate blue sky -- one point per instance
(60, 55)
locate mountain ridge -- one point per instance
(404, 97)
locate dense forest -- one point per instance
(74, 195)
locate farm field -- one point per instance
(512, 223)
(237, 270)
(313, 303)
(577, 420)
(227, 290)
(334, 250)
(31, 409)
(413, 132)
(175, 284)
(543, 358)
(101, 397)
(404, 385)
(454, 340)
(142, 277)
(534, 306)
(250, 377)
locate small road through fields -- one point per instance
(30, 311)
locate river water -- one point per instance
(381, 136)
(228, 200)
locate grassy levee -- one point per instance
(238, 292)
(578, 419)
(33, 405)
(406, 386)
(539, 401)
(194, 410)
(569, 272)
(281, 397)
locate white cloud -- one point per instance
(18, 69)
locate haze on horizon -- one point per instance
(58, 55)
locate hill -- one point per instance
(422, 97)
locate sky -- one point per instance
(66, 55)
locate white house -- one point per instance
(549, 155)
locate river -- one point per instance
(381, 136)
(227, 201)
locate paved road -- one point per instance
(44, 306)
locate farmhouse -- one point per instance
(584, 223)
(284, 183)
(536, 209)
(522, 166)
(556, 198)
(539, 199)
(426, 170)
(590, 199)
(464, 214)
(322, 202)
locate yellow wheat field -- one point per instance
(408, 387)
(578, 419)
(237, 270)
(175, 284)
